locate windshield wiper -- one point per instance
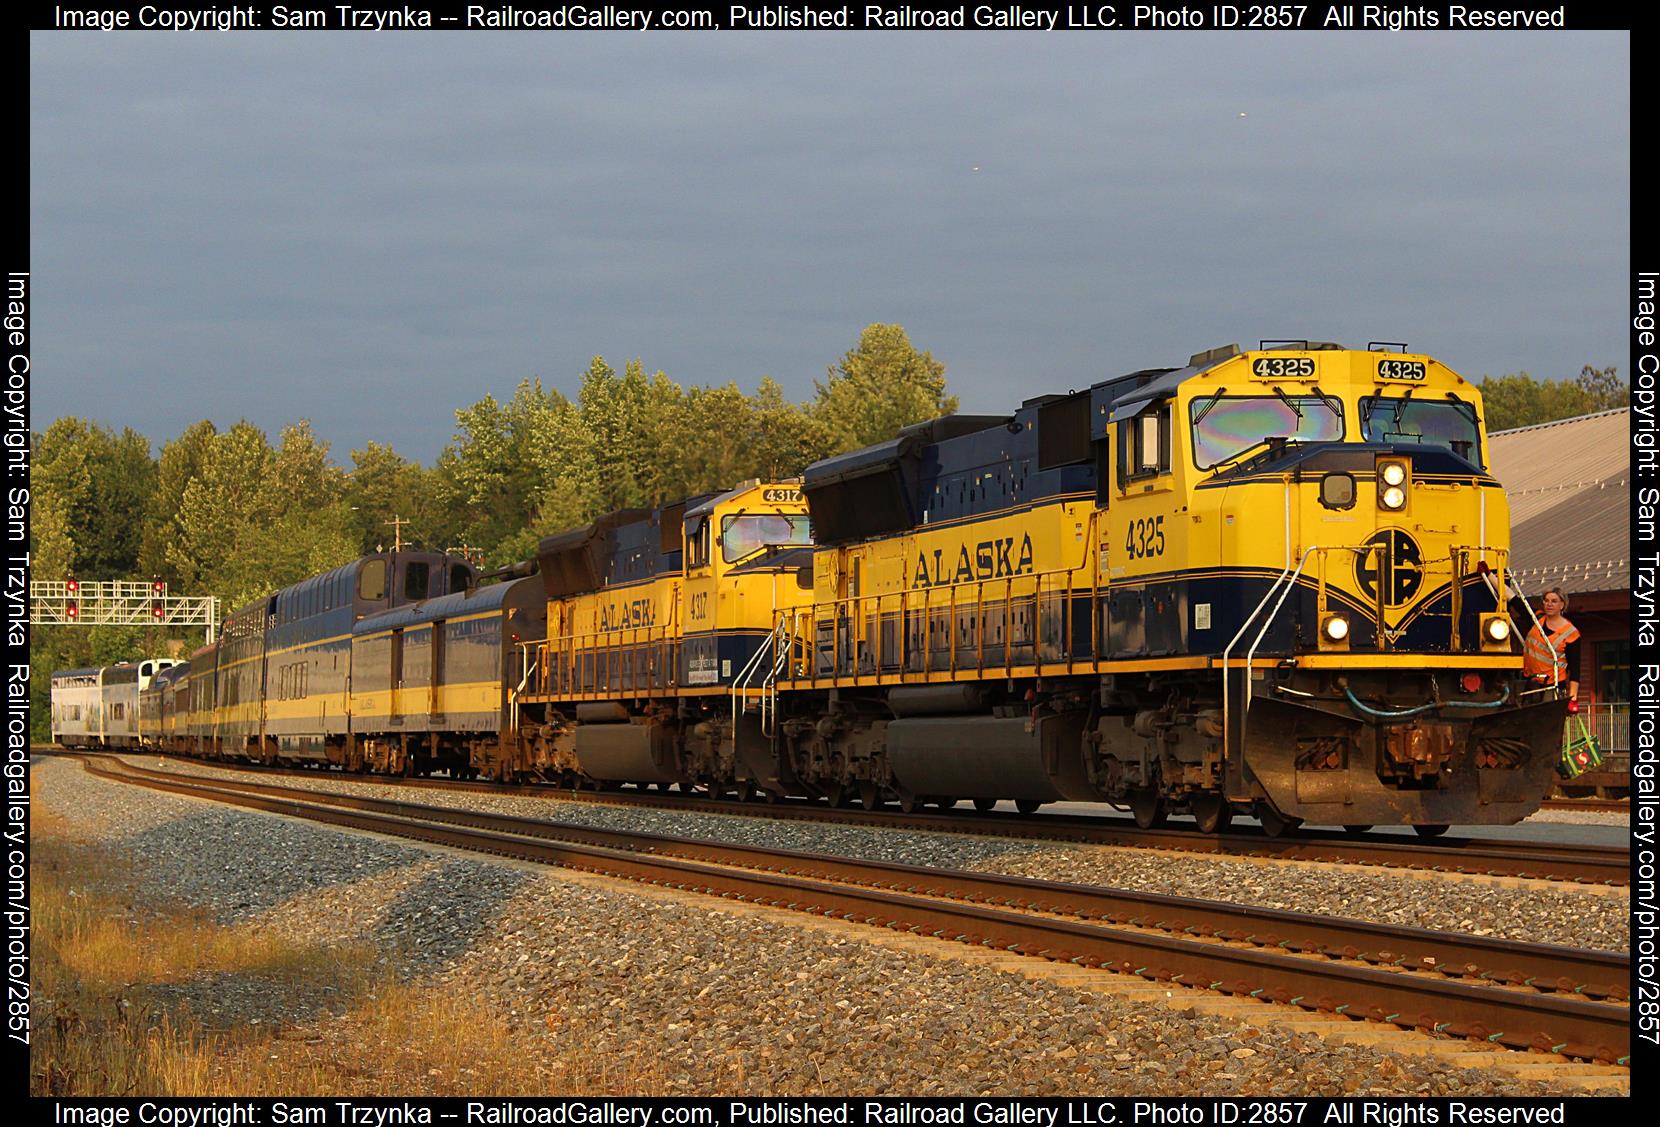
(1333, 404)
(1204, 408)
(1288, 402)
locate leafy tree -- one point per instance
(1603, 388)
(1519, 400)
(783, 437)
(181, 461)
(384, 486)
(94, 485)
(52, 543)
(504, 461)
(302, 474)
(879, 387)
(244, 531)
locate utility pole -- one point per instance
(397, 524)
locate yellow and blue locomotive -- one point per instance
(1268, 582)
(1265, 582)
(659, 630)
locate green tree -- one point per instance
(181, 461)
(879, 387)
(1519, 400)
(1603, 388)
(244, 530)
(384, 486)
(501, 463)
(784, 438)
(96, 485)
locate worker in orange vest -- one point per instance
(1539, 663)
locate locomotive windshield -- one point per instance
(742, 536)
(1225, 427)
(1425, 422)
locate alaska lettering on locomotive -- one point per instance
(638, 614)
(992, 559)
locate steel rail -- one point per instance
(1537, 860)
(1539, 966)
(1525, 1019)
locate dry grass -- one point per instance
(120, 984)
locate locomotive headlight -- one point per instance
(1498, 629)
(1495, 632)
(1393, 497)
(1392, 473)
(1336, 627)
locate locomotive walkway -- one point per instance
(1526, 996)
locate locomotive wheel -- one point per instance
(1275, 824)
(985, 805)
(908, 802)
(1354, 829)
(1147, 806)
(1212, 812)
(945, 803)
(1431, 829)
(746, 791)
(870, 795)
(715, 789)
(834, 793)
(1028, 805)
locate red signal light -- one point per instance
(72, 609)
(74, 585)
(158, 610)
(158, 587)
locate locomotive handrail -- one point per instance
(741, 683)
(1283, 585)
(1498, 600)
(1460, 557)
(857, 611)
(531, 664)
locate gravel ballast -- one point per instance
(710, 999)
(1523, 910)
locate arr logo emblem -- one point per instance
(1397, 568)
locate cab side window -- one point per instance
(1144, 445)
(697, 544)
(371, 581)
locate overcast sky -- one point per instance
(371, 231)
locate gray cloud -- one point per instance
(371, 231)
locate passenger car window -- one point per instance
(371, 581)
(415, 581)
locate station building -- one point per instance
(1569, 484)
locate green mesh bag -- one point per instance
(1580, 752)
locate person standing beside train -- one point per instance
(1557, 661)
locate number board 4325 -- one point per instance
(1283, 367)
(1409, 370)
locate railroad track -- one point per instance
(1593, 805)
(1586, 864)
(1526, 996)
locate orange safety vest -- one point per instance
(1536, 655)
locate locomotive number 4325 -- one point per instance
(1401, 370)
(1144, 538)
